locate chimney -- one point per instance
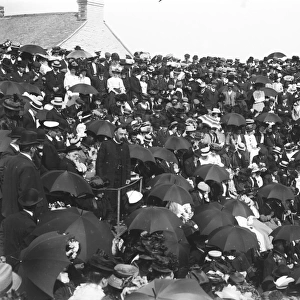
(82, 10)
(1, 11)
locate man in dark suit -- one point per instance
(113, 162)
(55, 114)
(19, 75)
(15, 230)
(10, 64)
(30, 122)
(21, 174)
(134, 84)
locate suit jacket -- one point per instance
(54, 80)
(16, 77)
(28, 121)
(110, 165)
(240, 162)
(134, 87)
(50, 158)
(54, 115)
(20, 174)
(189, 167)
(8, 65)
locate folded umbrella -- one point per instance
(233, 119)
(171, 192)
(170, 178)
(33, 49)
(237, 208)
(288, 233)
(152, 219)
(141, 153)
(177, 143)
(83, 88)
(101, 127)
(269, 117)
(91, 233)
(212, 172)
(164, 154)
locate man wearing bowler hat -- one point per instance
(21, 174)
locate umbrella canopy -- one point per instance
(208, 206)
(276, 55)
(153, 219)
(83, 88)
(210, 219)
(30, 88)
(42, 114)
(141, 153)
(233, 237)
(33, 49)
(170, 289)
(212, 172)
(237, 208)
(269, 91)
(233, 119)
(11, 88)
(101, 127)
(262, 79)
(286, 232)
(4, 139)
(177, 143)
(79, 54)
(171, 192)
(65, 181)
(170, 178)
(83, 225)
(276, 191)
(164, 154)
(268, 117)
(41, 263)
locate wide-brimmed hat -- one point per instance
(190, 128)
(202, 186)
(16, 132)
(160, 268)
(281, 270)
(284, 164)
(237, 278)
(255, 169)
(36, 104)
(283, 282)
(241, 146)
(9, 280)
(215, 111)
(50, 124)
(289, 146)
(30, 197)
(116, 282)
(250, 127)
(56, 64)
(134, 196)
(58, 101)
(148, 138)
(276, 150)
(126, 270)
(99, 262)
(28, 138)
(41, 135)
(216, 146)
(11, 104)
(215, 253)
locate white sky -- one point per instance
(227, 28)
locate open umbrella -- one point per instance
(208, 206)
(212, 172)
(276, 191)
(41, 263)
(276, 55)
(233, 237)
(269, 92)
(11, 88)
(33, 49)
(152, 219)
(262, 79)
(170, 289)
(79, 54)
(83, 88)
(171, 192)
(164, 154)
(141, 153)
(237, 208)
(286, 232)
(65, 181)
(233, 119)
(101, 127)
(268, 117)
(211, 219)
(177, 143)
(170, 178)
(83, 225)
(30, 88)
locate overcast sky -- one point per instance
(227, 28)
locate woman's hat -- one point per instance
(30, 197)
(283, 282)
(148, 138)
(115, 282)
(50, 124)
(160, 268)
(281, 270)
(58, 101)
(11, 104)
(215, 111)
(56, 64)
(101, 263)
(255, 168)
(190, 128)
(134, 196)
(36, 104)
(237, 278)
(9, 280)
(126, 270)
(202, 186)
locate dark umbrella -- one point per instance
(262, 79)
(42, 114)
(212, 172)
(11, 88)
(233, 237)
(276, 191)
(141, 153)
(152, 219)
(83, 225)
(237, 208)
(30, 88)
(233, 119)
(164, 154)
(170, 289)
(79, 54)
(269, 92)
(170, 178)
(276, 55)
(268, 117)
(288, 233)
(65, 181)
(208, 206)
(33, 49)
(211, 219)
(83, 88)
(101, 127)
(4, 140)
(171, 192)
(41, 263)
(177, 143)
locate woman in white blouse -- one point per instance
(71, 79)
(115, 86)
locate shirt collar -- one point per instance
(27, 155)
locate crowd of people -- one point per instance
(242, 117)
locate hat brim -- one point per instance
(31, 204)
(53, 102)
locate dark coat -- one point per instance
(54, 115)
(54, 80)
(134, 87)
(28, 121)
(50, 158)
(108, 166)
(20, 174)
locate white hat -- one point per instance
(215, 111)
(134, 196)
(283, 281)
(58, 101)
(36, 104)
(9, 280)
(215, 253)
(50, 124)
(204, 151)
(241, 146)
(255, 168)
(190, 128)
(203, 186)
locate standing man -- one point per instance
(113, 162)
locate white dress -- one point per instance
(69, 81)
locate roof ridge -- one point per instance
(49, 13)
